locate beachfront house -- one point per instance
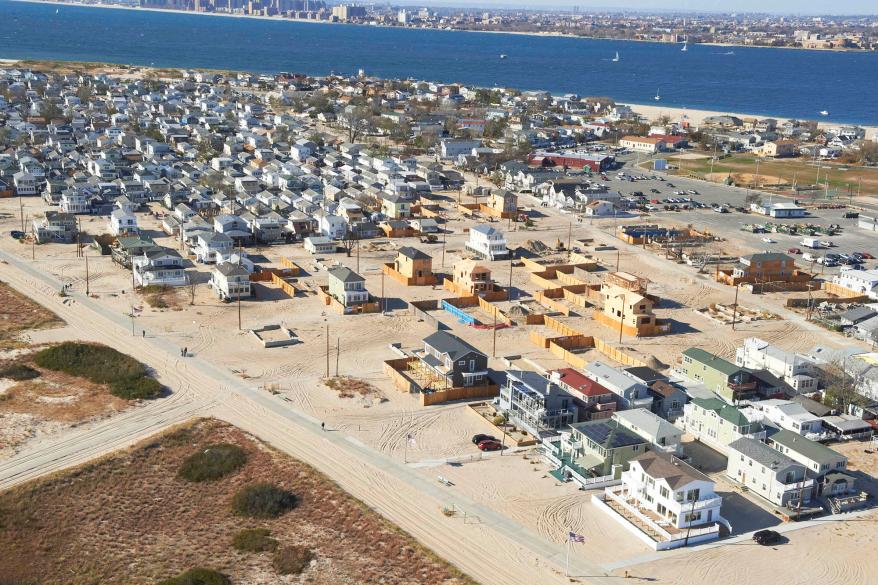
(347, 287)
(451, 362)
(159, 266)
(535, 403)
(601, 447)
(230, 281)
(769, 473)
(718, 424)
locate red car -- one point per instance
(794, 251)
(490, 446)
(867, 256)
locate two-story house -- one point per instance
(796, 370)
(601, 447)
(819, 460)
(593, 400)
(627, 308)
(396, 207)
(769, 473)
(347, 287)
(717, 424)
(55, 226)
(630, 392)
(209, 245)
(415, 266)
(730, 382)
(230, 281)
(123, 223)
(452, 362)
(159, 266)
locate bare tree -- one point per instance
(349, 241)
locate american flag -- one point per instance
(573, 537)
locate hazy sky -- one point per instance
(777, 6)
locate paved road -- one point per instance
(485, 544)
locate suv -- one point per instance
(479, 438)
(766, 537)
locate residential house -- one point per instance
(662, 435)
(717, 424)
(818, 459)
(732, 383)
(25, 184)
(159, 266)
(472, 277)
(535, 403)
(769, 473)
(859, 282)
(450, 362)
(502, 203)
(856, 315)
(415, 266)
(762, 268)
(56, 227)
(795, 369)
(347, 287)
(780, 148)
(487, 242)
(209, 245)
(791, 416)
(627, 308)
(319, 245)
(668, 399)
(601, 447)
(123, 223)
(674, 495)
(126, 248)
(396, 207)
(230, 281)
(630, 392)
(594, 402)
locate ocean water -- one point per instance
(779, 82)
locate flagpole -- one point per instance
(567, 562)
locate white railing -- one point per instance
(690, 533)
(619, 499)
(687, 506)
(589, 481)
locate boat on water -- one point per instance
(729, 53)
(503, 55)
(824, 112)
(616, 58)
(685, 46)
(658, 95)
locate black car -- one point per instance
(479, 438)
(766, 537)
(17, 234)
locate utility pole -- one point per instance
(383, 303)
(618, 257)
(509, 290)
(735, 308)
(357, 243)
(494, 350)
(569, 239)
(621, 316)
(327, 350)
(87, 288)
(337, 354)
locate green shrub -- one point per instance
(100, 364)
(213, 462)
(19, 372)
(263, 500)
(137, 389)
(97, 363)
(198, 576)
(254, 540)
(291, 560)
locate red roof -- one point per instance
(578, 381)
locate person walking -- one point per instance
(323, 427)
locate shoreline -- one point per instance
(556, 34)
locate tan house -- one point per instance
(763, 268)
(412, 267)
(395, 207)
(627, 307)
(472, 278)
(779, 149)
(501, 204)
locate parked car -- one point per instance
(17, 234)
(766, 537)
(794, 251)
(480, 437)
(490, 446)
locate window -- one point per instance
(664, 492)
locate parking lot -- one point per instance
(851, 238)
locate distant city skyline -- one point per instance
(811, 7)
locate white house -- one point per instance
(600, 208)
(665, 502)
(230, 281)
(159, 267)
(796, 370)
(122, 223)
(489, 243)
(25, 184)
(769, 473)
(791, 416)
(864, 282)
(662, 435)
(718, 424)
(74, 201)
(631, 393)
(209, 245)
(319, 245)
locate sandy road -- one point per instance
(481, 542)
